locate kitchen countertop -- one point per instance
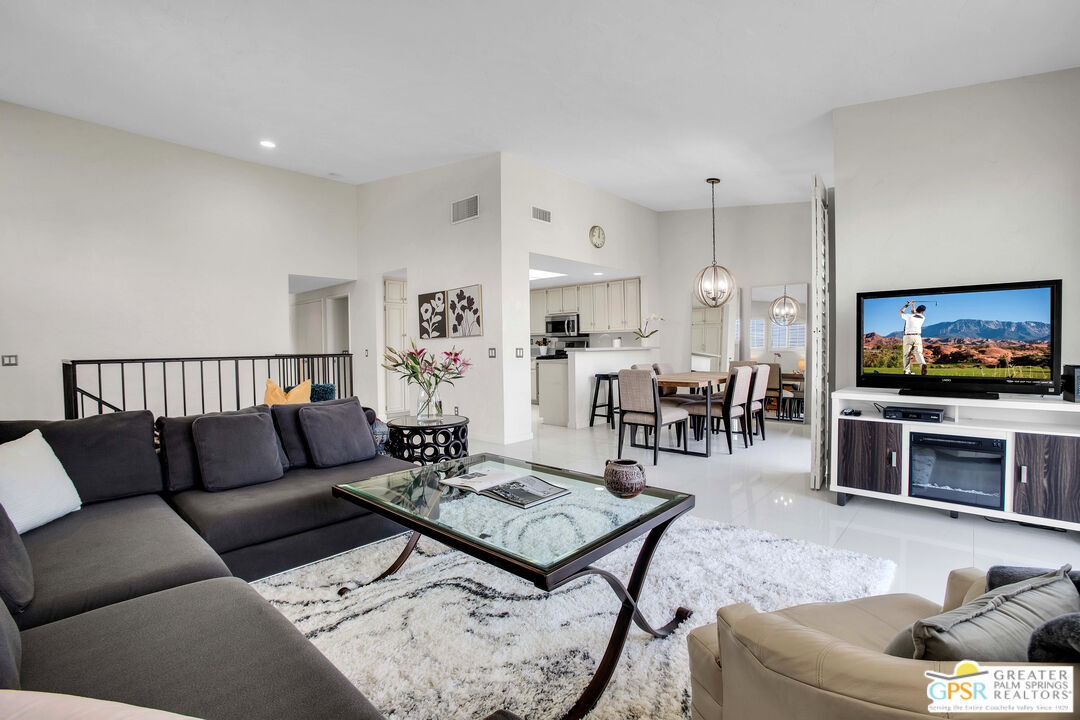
(610, 349)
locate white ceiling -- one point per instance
(573, 272)
(640, 98)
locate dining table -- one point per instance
(703, 381)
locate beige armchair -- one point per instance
(821, 661)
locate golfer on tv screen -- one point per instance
(913, 323)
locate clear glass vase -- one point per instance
(429, 405)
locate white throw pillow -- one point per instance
(34, 487)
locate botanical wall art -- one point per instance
(432, 315)
(464, 312)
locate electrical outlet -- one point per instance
(365, 352)
(9, 360)
(491, 352)
(456, 411)
(520, 352)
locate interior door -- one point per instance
(309, 328)
(869, 455)
(1046, 476)
(397, 336)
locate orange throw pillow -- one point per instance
(276, 396)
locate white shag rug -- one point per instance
(453, 638)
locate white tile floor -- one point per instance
(767, 487)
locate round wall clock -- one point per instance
(596, 236)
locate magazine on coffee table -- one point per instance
(524, 491)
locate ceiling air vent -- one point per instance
(541, 214)
(466, 209)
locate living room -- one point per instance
(222, 196)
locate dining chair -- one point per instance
(775, 391)
(640, 406)
(757, 399)
(733, 405)
(670, 394)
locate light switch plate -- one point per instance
(520, 352)
(491, 352)
(9, 360)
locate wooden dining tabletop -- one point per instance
(691, 379)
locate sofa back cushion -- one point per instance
(180, 459)
(287, 422)
(16, 573)
(10, 651)
(997, 625)
(106, 456)
(337, 434)
(236, 450)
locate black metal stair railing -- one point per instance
(182, 386)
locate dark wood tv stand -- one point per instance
(870, 455)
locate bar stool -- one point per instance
(610, 408)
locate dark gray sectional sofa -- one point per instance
(133, 601)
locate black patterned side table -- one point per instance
(428, 441)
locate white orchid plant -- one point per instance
(644, 332)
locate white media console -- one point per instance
(1014, 458)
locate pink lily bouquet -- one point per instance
(428, 371)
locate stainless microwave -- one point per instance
(561, 325)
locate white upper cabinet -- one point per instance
(537, 311)
(554, 301)
(570, 299)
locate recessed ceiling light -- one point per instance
(543, 274)
(598, 273)
(269, 144)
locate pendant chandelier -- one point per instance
(784, 310)
(714, 285)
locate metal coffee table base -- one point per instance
(630, 611)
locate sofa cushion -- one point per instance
(236, 450)
(999, 575)
(299, 501)
(34, 487)
(996, 626)
(106, 456)
(337, 434)
(25, 705)
(110, 552)
(179, 457)
(212, 649)
(10, 651)
(287, 422)
(16, 572)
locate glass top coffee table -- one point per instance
(534, 543)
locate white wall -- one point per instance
(117, 245)
(405, 223)
(631, 231)
(759, 244)
(974, 185)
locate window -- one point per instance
(790, 336)
(757, 334)
(797, 335)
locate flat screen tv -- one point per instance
(975, 339)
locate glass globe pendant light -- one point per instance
(714, 285)
(784, 310)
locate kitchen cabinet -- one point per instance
(631, 304)
(533, 384)
(554, 301)
(537, 312)
(1047, 476)
(570, 299)
(697, 338)
(869, 455)
(697, 316)
(616, 306)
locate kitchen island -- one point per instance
(574, 390)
